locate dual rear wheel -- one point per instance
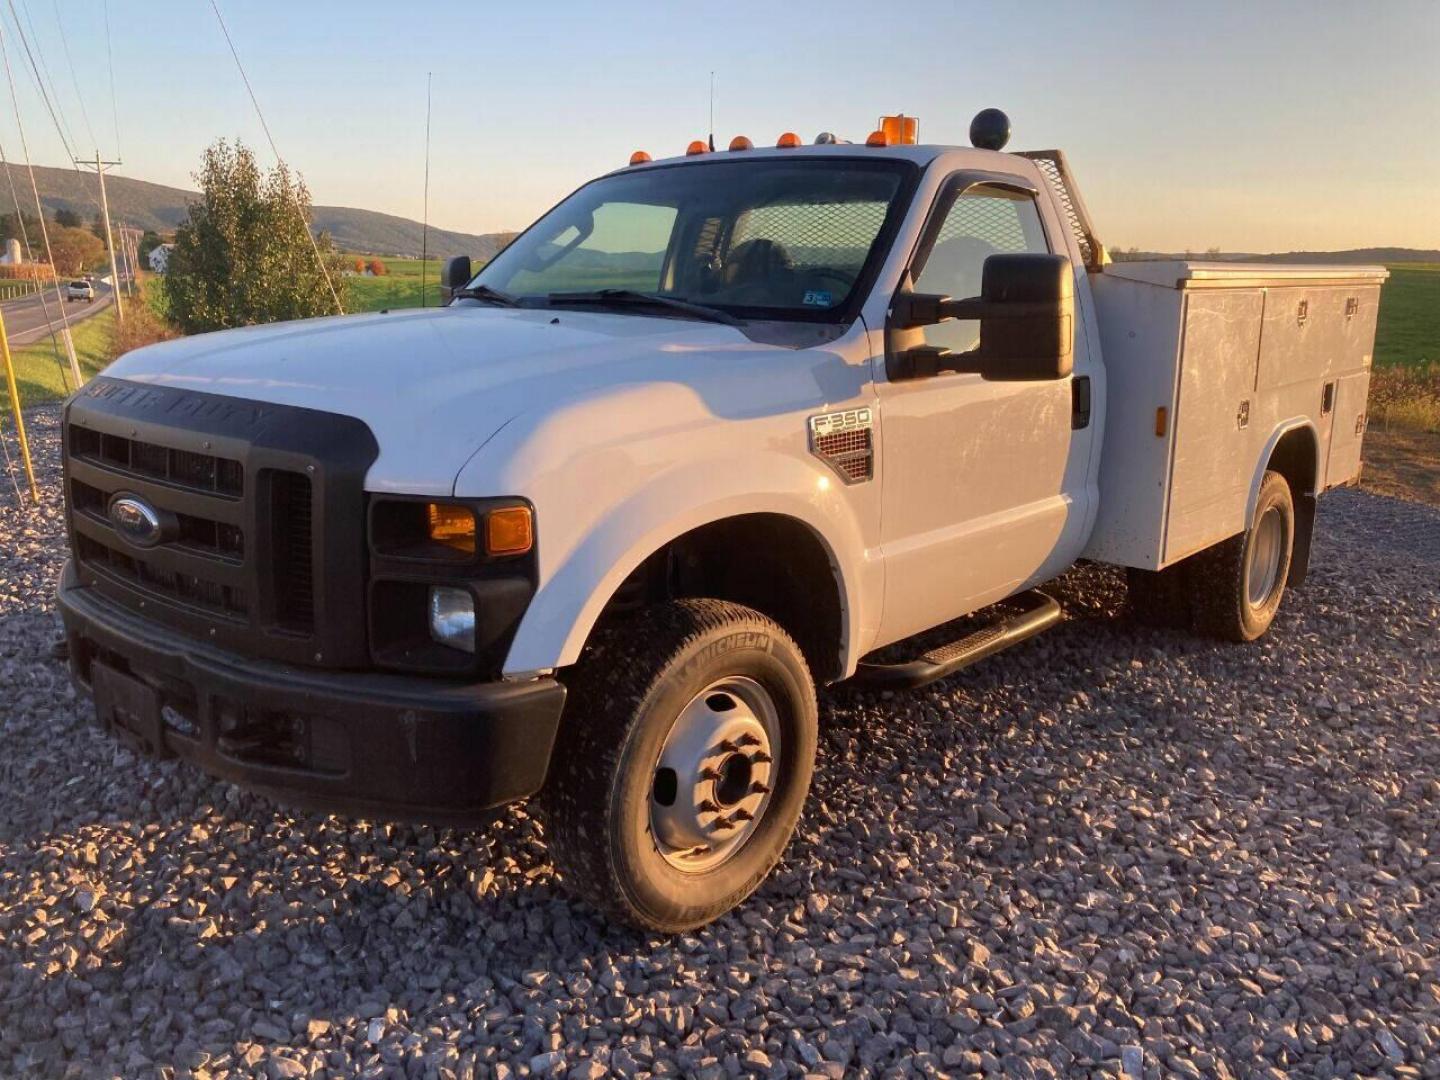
(1233, 590)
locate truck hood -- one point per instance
(433, 385)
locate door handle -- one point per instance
(1079, 402)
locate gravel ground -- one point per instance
(1113, 851)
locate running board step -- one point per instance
(1040, 613)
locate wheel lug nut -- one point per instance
(728, 746)
(722, 825)
(761, 758)
(742, 815)
(707, 807)
(709, 774)
(748, 739)
(757, 788)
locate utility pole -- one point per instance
(100, 167)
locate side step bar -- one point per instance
(1040, 613)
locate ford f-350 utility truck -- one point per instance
(711, 432)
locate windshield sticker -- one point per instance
(818, 298)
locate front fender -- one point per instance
(571, 597)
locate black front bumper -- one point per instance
(373, 745)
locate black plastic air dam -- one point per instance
(390, 747)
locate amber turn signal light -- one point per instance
(453, 526)
(510, 531)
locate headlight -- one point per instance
(452, 617)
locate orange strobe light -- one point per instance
(741, 142)
(877, 138)
(788, 140)
(639, 157)
(900, 130)
(698, 146)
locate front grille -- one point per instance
(291, 549)
(226, 601)
(202, 565)
(260, 508)
(198, 472)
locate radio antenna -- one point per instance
(712, 112)
(425, 212)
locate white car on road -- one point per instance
(79, 290)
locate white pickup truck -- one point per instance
(711, 432)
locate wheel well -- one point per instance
(1296, 457)
(770, 562)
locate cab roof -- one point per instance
(921, 155)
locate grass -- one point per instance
(1408, 332)
(399, 287)
(42, 370)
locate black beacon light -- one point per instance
(990, 130)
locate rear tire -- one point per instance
(659, 762)
(1237, 585)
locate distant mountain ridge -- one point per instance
(1356, 256)
(143, 205)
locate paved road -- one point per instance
(25, 319)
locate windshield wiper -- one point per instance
(635, 298)
(485, 292)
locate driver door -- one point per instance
(984, 482)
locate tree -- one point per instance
(149, 241)
(10, 227)
(67, 218)
(243, 255)
(75, 250)
(376, 268)
(359, 265)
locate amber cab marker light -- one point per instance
(639, 157)
(697, 146)
(1162, 421)
(453, 526)
(741, 142)
(788, 141)
(509, 531)
(876, 138)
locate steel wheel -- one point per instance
(1267, 549)
(712, 782)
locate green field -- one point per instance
(399, 287)
(1409, 329)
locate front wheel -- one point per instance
(684, 758)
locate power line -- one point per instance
(41, 80)
(74, 79)
(40, 212)
(314, 245)
(110, 58)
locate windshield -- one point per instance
(758, 238)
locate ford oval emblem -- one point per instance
(136, 521)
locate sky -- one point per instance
(1249, 125)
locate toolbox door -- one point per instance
(1348, 430)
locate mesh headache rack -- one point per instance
(1052, 163)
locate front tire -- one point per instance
(1237, 585)
(684, 759)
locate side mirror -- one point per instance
(1026, 311)
(454, 275)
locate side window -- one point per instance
(983, 221)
